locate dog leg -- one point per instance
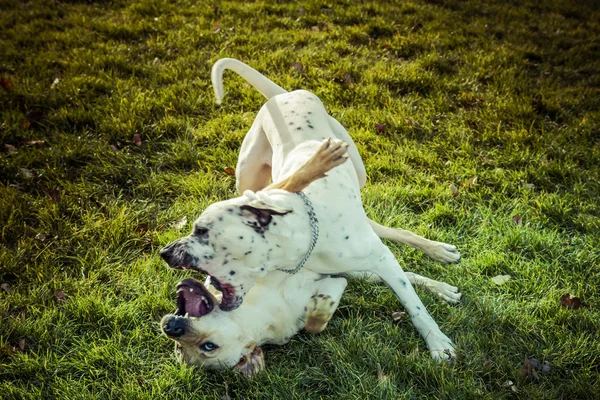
(386, 266)
(439, 251)
(323, 304)
(444, 291)
(330, 154)
(253, 170)
(251, 364)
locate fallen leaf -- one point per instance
(416, 26)
(38, 144)
(25, 124)
(380, 128)
(179, 224)
(517, 220)
(327, 11)
(216, 28)
(500, 279)
(10, 148)
(348, 79)
(5, 286)
(511, 385)
(137, 140)
(487, 364)
(454, 190)
(229, 171)
(528, 369)
(55, 83)
(6, 84)
(156, 61)
(529, 186)
(570, 301)
(59, 294)
(41, 237)
(114, 148)
(21, 345)
(298, 66)
(26, 173)
(315, 28)
(301, 11)
(469, 183)
(398, 315)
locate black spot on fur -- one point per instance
(403, 282)
(241, 238)
(347, 237)
(299, 128)
(248, 252)
(332, 303)
(223, 248)
(319, 295)
(291, 123)
(220, 218)
(232, 273)
(418, 308)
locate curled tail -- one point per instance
(264, 85)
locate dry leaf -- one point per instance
(379, 372)
(25, 124)
(454, 190)
(38, 144)
(10, 148)
(500, 279)
(528, 369)
(59, 294)
(156, 61)
(511, 385)
(114, 148)
(470, 183)
(229, 171)
(5, 286)
(55, 83)
(26, 173)
(21, 345)
(216, 28)
(298, 66)
(301, 11)
(380, 128)
(315, 28)
(137, 140)
(570, 301)
(6, 84)
(517, 220)
(529, 186)
(179, 224)
(348, 79)
(398, 315)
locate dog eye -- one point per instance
(208, 346)
(200, 231)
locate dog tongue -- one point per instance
(195, 303)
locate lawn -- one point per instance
(111, 145)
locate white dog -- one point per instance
(240, 240)
(276, 308)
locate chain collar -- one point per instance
(314, 230)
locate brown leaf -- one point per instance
(229, 171)
(469, 183)
(315, 28)
(216, 28)
(38, 144)
(528, 369)
(327, 11)
(380, 128)
(517, 219)
(297, 65)
(10, 148)
(25, 124)
(114, 148)
(21, 345)
(348, 79)
(454, 190)
(570, 301)
(6, 84)
(59, 294)
(137, 140)
(398, 315)
(5, 286)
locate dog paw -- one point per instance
(319, 311)
(330, 154)
(441, 347)
(251, 364)
(443, 252)
(446, 292)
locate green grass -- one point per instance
(505, 91)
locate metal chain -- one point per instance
(314, 229)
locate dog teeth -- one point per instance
(186, 315)
(191, 290)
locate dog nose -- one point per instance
(166, 252)
(174, 327)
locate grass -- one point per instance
(508, 92)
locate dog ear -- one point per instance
(263, 213)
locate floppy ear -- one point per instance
(263, 214)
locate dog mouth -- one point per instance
(193, 299)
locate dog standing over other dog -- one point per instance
(277, 307)
(240, 240)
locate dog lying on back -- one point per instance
(276, 308)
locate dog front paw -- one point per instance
(441, 347)
(319, 311)
(442, 252)
(251, 364)
(448, 293)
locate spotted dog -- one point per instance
(240, 240)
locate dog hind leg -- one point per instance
(323, 303)
(253, 170)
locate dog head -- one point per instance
(206, 336)
(228, 243)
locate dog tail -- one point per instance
(264, 85)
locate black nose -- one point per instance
(167, 253)
(174, 327)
